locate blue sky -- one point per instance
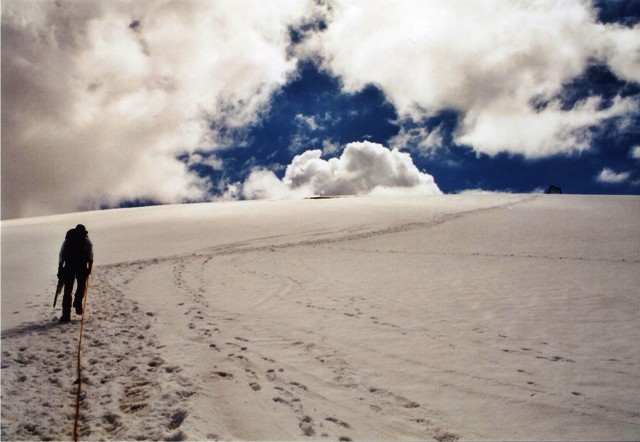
(367, 115)
(114, 104)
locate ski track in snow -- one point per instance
(143, 392)
(124, 394)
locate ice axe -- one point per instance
(58, 290)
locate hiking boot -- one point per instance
(65, 318)
(77, 304)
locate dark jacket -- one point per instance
(76, 253)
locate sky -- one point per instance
(124, 103)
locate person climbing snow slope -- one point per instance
(75, 264)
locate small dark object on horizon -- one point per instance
(553, 189)
(135, 25)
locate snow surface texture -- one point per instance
(441, 317)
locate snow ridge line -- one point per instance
(506, 255)
(230, 249)
(362, 233)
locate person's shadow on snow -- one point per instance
(29, 328)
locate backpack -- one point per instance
(75, 249)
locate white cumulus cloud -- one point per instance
(419, 138)
(609, 176)
(488, 59)
(538, 134)
(100, 97)
(363, 168)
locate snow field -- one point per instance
(449, 317)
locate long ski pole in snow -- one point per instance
(79, 381)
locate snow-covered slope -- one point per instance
(443, 317)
